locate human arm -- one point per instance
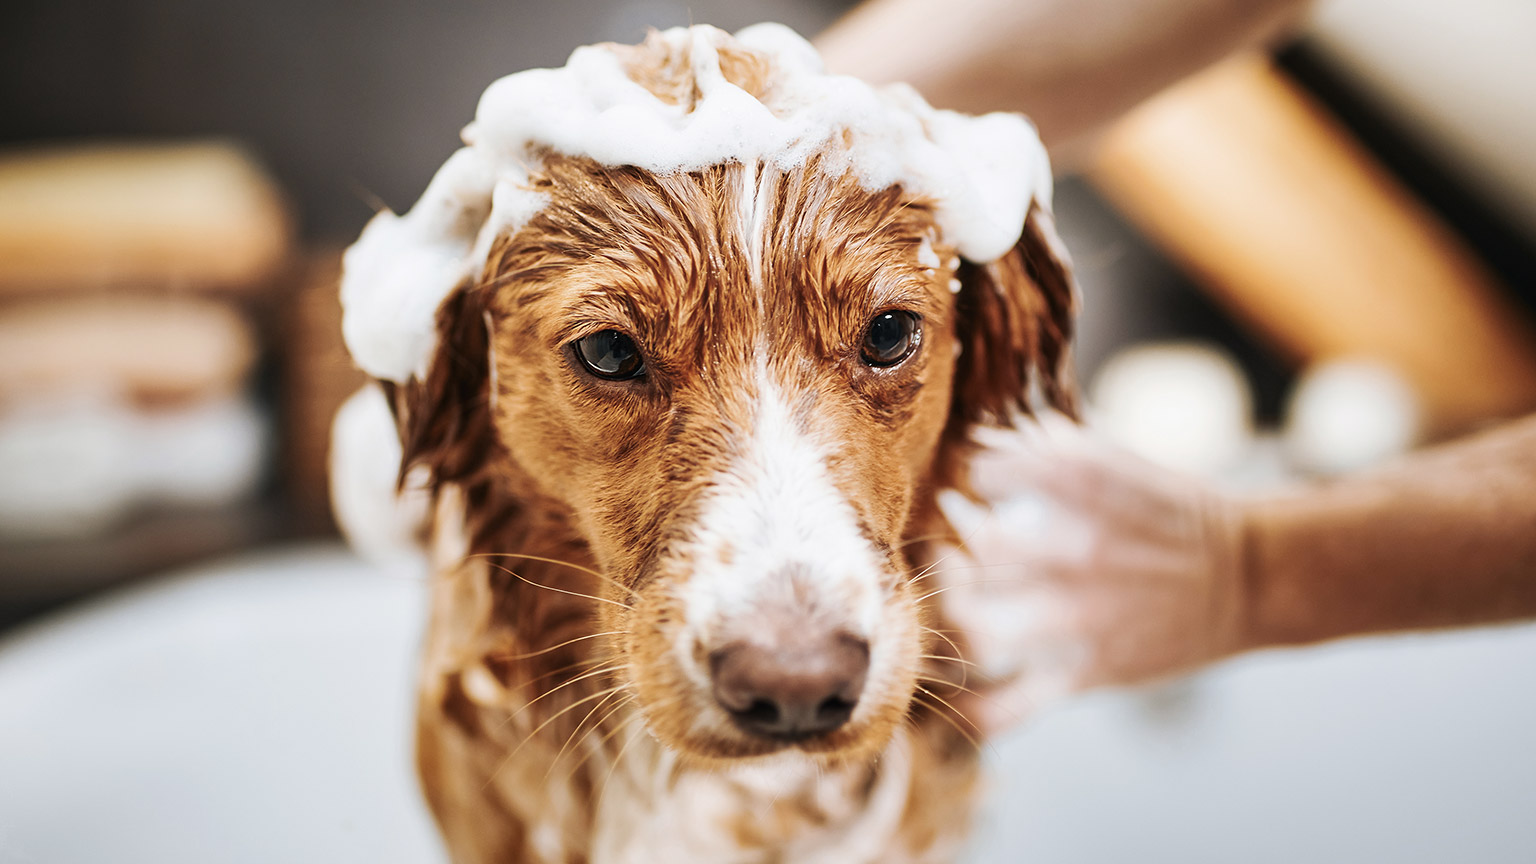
(1444, 538)
(1096, 568)
(1072, 65)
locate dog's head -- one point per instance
(743, 382)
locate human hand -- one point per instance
(1092, 567)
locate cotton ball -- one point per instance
(1184, 406)
(1350, 414)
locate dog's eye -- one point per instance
(610, 354)
(891, 338)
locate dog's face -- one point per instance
(737, 383)
(743, 387)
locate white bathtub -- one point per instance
(259, 711)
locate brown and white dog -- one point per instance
(683, 432)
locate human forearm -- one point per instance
(1444, 538)
(1072, 65)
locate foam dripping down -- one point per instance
(982, 173)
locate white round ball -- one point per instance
(1185, 406)
(1350, 414)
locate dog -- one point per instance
(682, 412)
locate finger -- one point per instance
(1043, 683)
(1027, 536)
(1001, 633)
(1071, 477)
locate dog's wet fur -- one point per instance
(596, 542)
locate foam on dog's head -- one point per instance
(981, 173)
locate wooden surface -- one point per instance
(1274, 209)
(200, 216)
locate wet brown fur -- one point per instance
(518, 732)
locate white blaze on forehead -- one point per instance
(755, 195)
(773, 512)
(982, 173)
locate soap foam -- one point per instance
(981, 173)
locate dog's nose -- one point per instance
(791, 691)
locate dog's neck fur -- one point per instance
(530, 753)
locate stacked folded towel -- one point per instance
(127, 279)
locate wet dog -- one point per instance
(683, 430)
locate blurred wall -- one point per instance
(1461, 77)
(349, 102)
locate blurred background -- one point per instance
(1292, 266)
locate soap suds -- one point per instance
(982, 173)
(926, 256)
(381, 520)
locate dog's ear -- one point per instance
(1015, 329)
(444, 419)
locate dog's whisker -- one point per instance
(917, 731)
(965, 665)
(543, 651)
(969, 738)
(964, 542)
(587, 663)
(1005, 709)
(960, 660)
(563, 711)
(935, 568)
(991, 564)
(605, 670)
(938, 591)
(605, 577)
(974, 741)
(940, 634)
(923, 574)
(923, 538)
(507, 759)
(946, 704)
(510, 572)
(603, 787)
(579, 730)
(629, 699)
(952, 685)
